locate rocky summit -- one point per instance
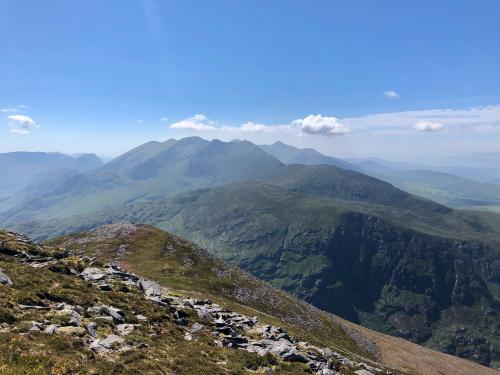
(78, 305)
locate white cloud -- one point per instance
(200, 122)
(391, 94)
(312, 124)
(21, 124)
(477, 119)
(428, 126)
(164, 119)
(252, 127)
(12, 109)
(197, 122)
(322, 125)
(468, 119)
(139, 121)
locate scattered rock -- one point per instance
(124, 329)
(150, 288)
(122, 249)
(106, 345)
(4, 279)
(363, 372)
(141, 317)
(115, 313)
(228, 328)
(92, 329)
(112, 340)
(294, 355)
(51, 329)
(220, 322)
(97, 347)
(92, 274)
(275, 333)
(203, 314)
(327, 371)
(36, 327)
(234, 341)
(196, 327)
(75, 319)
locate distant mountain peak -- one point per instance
(292, 155)
(279, 143)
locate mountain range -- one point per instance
(156, 170)
(21, 169)
(436, 183)
(346, 242)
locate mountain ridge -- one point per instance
(179, 329)
(20, 169)
(155, 171)
(436, 183)
(350, 261)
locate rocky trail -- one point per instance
(194, 316)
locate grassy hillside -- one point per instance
(54, 311)
(189, 271)
(326, 181)
(405, 272)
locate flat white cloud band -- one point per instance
(312, 124)
(479, 119)
(196, 122)
(13, 109)
(21, 124)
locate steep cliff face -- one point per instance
(402, 282)
(374, 261)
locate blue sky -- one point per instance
(104, 76)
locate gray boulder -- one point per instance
(112, 341)
(294, 355)
(106, 345)
(151, 289)
(115, 313)
(124, 329)
(196, 327)
(92, 329)
(51, 329)
(92, 274)
(4, 279)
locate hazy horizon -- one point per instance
(448, 160)
(347, 79)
